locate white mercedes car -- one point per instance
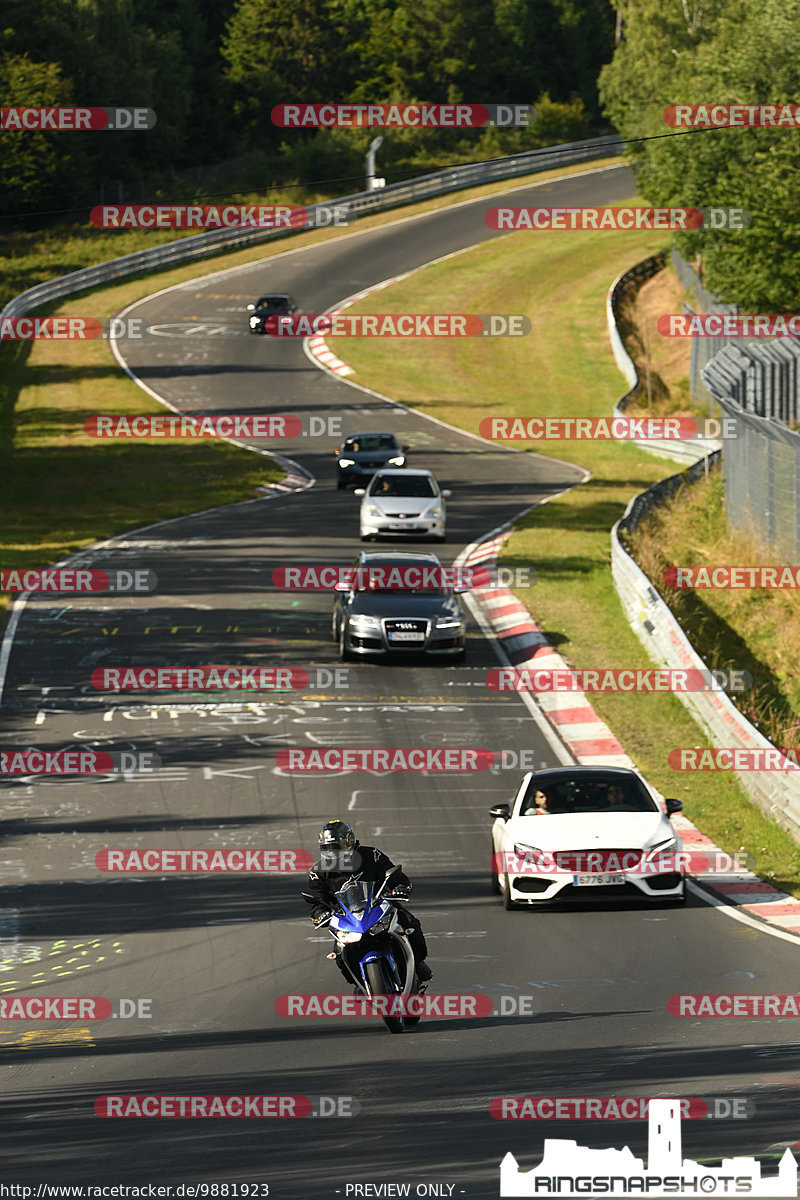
(403, 503)
(573, 830)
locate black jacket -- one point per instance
(367, 862)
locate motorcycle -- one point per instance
(373, 945)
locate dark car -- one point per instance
(374, 620)
(273, 305)
(362, 454)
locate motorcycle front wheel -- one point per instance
(381, 985)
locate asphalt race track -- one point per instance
(213, 952)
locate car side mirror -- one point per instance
(359, 491)
(446, 493)
(673, 805)
(500, 812)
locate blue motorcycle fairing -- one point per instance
(353, 924)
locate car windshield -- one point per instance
(586, 796)
(371, 442)
(403, 485)
(279, 302)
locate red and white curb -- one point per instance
(593, 744)
(319, 349)
(290, 483)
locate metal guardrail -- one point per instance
(683, 452)
(776, 793)
(359, 204)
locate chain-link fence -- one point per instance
(761, 472)
(703, 349)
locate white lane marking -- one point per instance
(745, 918)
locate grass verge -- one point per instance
(62, 490)
(564, 367)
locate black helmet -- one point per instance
(336, 835)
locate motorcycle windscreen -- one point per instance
(355, 896)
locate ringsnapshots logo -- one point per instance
(74, 580)
(398, 325)
(724, 116)
(618, 679)
(264, 426)
(568, 1170)
(623, 219)
(30, 761)
(401, 116)
(75, 119)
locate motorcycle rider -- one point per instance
(341, 856)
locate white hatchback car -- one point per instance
(574, 832)
(403, 503)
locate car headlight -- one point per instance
(396, 462)
(347, 462)
(435, 513)
(372, 511)
(449, 623)
(254, 321)
(522, 848)
(348, 937)
(666, 847)
(365, 623)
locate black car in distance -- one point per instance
(362, 454)
(369, 618)
(276, 304)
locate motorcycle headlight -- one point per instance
(396, 462)
(382, 925)
(348, 937)
(347, 462)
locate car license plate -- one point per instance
(401, 525)
(406, 637)
(597, 880)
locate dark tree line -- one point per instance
(213, 69)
